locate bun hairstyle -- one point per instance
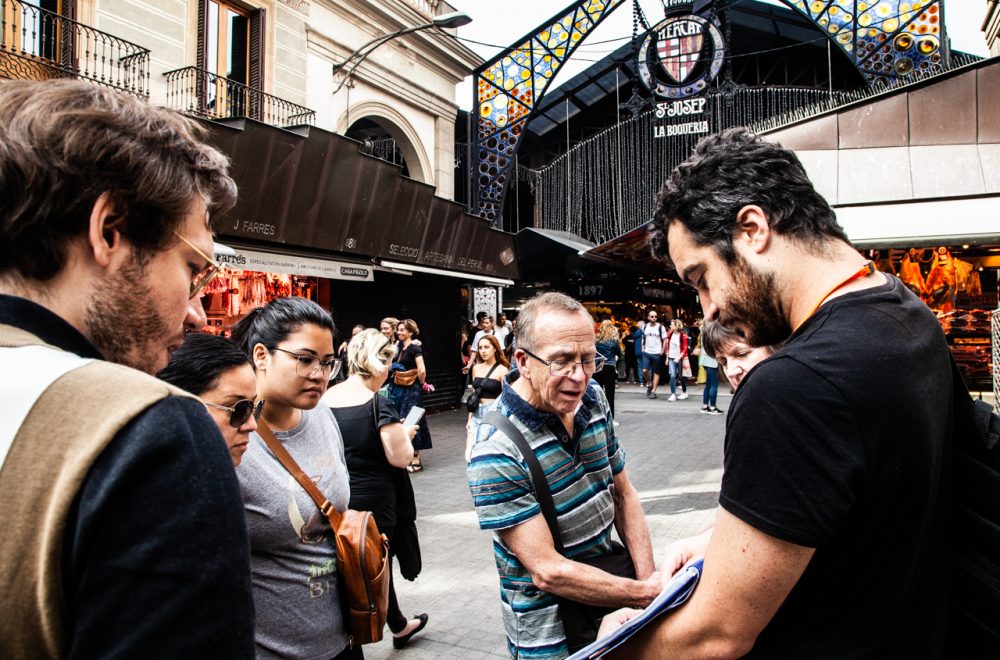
(370, 353)
(271, 324)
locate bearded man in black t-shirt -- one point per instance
(831, 537)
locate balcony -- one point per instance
(37, 44)
(204, 94)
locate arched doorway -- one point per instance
(386, 134)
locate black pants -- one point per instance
(606, 378)
(633, 371)
(395, 619)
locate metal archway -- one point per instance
(887, 40)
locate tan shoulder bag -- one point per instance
(362, 554)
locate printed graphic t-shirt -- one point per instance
(292, 555)
(654, 338)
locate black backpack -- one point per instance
(974, 625)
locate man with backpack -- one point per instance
(654, 347)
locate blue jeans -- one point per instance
(675, 370)
(711, 386)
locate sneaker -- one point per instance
(705, 409)
(649, 395)
(673, 397)
(616, 423)
(715, 411)
(652, 395)
(682, 396)
(649, 390)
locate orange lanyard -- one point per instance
(867, 269)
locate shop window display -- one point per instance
(953, 288)
(232, 295)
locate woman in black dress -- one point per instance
(406, 384)
(377, 448)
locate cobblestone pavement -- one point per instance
(674, 457)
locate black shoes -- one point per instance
(402, 641)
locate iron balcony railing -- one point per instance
(37, 44)
(205, 94)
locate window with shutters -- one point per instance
(230, 51)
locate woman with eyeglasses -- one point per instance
(378, 448)
(216, 371)
(292, 552)
(406, 385)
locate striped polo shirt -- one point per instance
(579, 469)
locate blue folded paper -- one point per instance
(674, 594)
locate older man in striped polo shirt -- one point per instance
(566, 421)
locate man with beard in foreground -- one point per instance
(123, 528)
(831, 537)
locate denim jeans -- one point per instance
(711, 386)
(675, 372)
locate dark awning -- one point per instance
(314, 190)
(546, 254)
(630, 250)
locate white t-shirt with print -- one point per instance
(655, 334)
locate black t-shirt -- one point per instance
(408, 356)
(840, 442)
(372, 476)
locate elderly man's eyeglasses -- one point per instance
(307, 366)
(206, 274)
(241, 411)
(561, 367)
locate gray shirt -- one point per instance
(292, 555)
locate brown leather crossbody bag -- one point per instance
(404, 378)
(362, 554)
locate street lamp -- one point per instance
(454, 19)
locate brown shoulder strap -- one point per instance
(293, 468)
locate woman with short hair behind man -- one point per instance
(377, 448)
(216, 371)
(292, 553)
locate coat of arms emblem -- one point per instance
(679, 48)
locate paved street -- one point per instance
(674, 459)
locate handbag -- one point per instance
(580, 620)
(686, 368)
(362, 554)
(472, 403)
(404, 378)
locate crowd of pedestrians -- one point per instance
(148, 515)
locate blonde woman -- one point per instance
(377, 448)
(487, 383)
(609, 346)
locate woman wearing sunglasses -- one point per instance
(216, 371)
(292, 553)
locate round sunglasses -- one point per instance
(241, 411)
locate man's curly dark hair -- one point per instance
(733, 169)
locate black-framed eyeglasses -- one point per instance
(567, 367)
(307, 366)
(241, 411)
(206, 274)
